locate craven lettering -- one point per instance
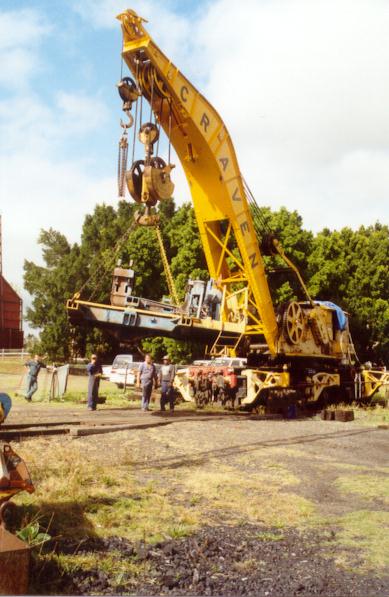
(244, 227)
(224, 162)
(205, 122)
(253, 260)
(235, 195)
(184, 93)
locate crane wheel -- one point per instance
(293, 323)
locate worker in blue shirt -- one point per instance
(33, 366)
(147, 378)
(166, 377)
(95, 372)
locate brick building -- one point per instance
(11, 334)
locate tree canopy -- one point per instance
(348, 267)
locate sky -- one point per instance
(302, 85)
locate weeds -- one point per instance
(33, 535)
(268, 536)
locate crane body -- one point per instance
(304, 348)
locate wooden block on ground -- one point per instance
(95, 430)
(344, 415)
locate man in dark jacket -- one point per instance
(95, 372)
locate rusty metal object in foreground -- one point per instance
(14, 564)
(14, 475)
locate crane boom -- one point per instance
(204, 147)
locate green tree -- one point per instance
(350, 268)
(186, 252)
(286, 227)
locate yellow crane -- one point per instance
(304, 348)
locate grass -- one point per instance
(246, 566)
(11, 380)
(121, 571)
(368, 486)
(226, 493)
(88, 496)
(372, 415)
(269, 536)
(366, 533)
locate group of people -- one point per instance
(148, 378)
(210, 386)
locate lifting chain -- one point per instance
(122, 164)
(166, 267)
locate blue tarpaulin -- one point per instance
(340, 314)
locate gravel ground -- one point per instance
(245, 556)
(247, 560)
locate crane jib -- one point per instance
(206, 152)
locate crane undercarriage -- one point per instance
(272, 381)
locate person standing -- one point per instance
(147, 378)
(33, 366)
(166, 378)
(95, 372)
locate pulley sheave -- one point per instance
(152, 183)
(134, 179)
(158, 181)
(148, 133)
(128, 91)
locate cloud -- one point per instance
(48, 194)
(171, 29)
(21, 32)
(40, 186)
(41, 127)
(303, 88)
(22, 27)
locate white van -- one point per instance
(122, 371)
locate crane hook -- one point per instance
(127, 125)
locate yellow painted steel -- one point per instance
(207, 155)
(166, 267)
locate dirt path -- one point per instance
(163, 509)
